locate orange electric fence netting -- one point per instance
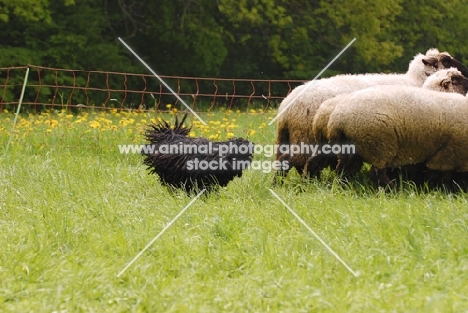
(53, 88)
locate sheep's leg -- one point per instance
(281, 173)
(460, 180)
(380, 178)
(299, 169)
(447, 179)
(282, 139)
(348, 165)
(315, 164)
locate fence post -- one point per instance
(18, 110)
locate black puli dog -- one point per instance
(193, 164)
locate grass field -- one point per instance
(74, 212)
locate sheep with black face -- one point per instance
(449, 81)
(396, 126)
(295, 123)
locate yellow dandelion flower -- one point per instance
(233, 120)
(212, 137)
(229, 135)
(143, 121)
(169, 106)
(69, 115)
(192, 134)
(94, 124)
(53, 123)
(233, 126)
(104, 120)
(238, 111)
(253, 111)
(251, 132)
(48, 130)
(5, 111)
(123, 122)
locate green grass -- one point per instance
(72, 218)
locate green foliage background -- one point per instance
(268, 39)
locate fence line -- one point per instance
(68, 88)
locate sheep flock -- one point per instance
(414, 124)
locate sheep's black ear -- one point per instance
(446, 61)
(445, 83)
(457, 79)
(430, 61)
(462, 68)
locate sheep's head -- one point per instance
(434, 62)
(424, 65)
(447, 80)
(448, 61)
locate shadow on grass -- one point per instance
(360, 185)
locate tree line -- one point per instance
(267, 39)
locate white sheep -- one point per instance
(449, 80)
(295, 124)
(396, 126)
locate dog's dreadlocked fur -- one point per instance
(172, 168)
